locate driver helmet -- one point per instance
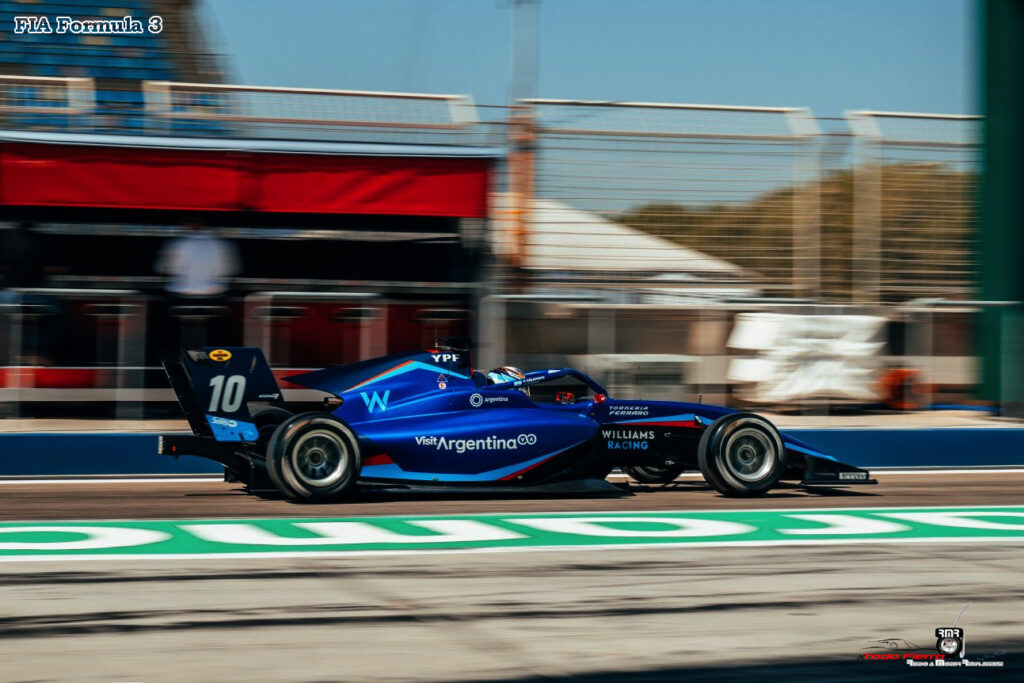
(504, 374)
(507, 373)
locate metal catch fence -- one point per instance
(914, 178)
(670, 196)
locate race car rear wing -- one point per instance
(215, 385)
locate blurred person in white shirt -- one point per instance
(198, 266)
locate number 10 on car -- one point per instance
(228, 393)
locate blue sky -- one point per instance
(829, 55)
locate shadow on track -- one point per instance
(621, 490)
(843, 671)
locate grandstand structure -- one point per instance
(116, 65)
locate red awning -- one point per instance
(132, 178)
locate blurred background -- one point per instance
(338, 181)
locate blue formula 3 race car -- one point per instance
(426, 419)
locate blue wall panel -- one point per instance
(111, 453)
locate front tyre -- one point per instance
(741, 454)
(314, 457)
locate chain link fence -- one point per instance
(914, 187)
(670, 197)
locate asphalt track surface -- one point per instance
(669, 614)
(654, 614)
(193, 499)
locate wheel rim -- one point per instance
(320, 458)
(749, 454)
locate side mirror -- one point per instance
(600, 398)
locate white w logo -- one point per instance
(376, 401)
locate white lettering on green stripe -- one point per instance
(509, 531)
(678, 527)
(962, 519)
(845, 525)
(349, 533)
(96, 537)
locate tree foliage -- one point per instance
(926, 217)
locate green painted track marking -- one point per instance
(503, 532)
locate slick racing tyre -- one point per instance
(314, 457)
(267, 420)
(741, 455)
(655, 474)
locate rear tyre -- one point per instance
(314, 457)
(741, 454)
(267, 420)
(655, 474)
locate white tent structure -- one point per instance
(568, 243)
